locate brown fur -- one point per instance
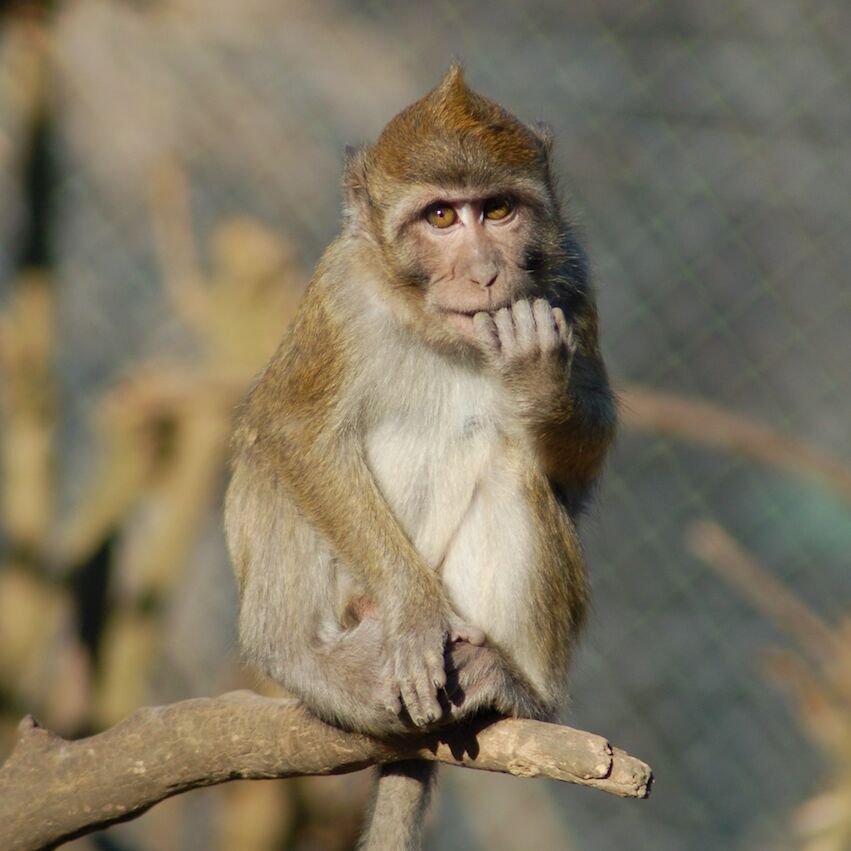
(454, 135)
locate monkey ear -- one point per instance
(544, 134)
(355, 186)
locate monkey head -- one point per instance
(456, 197)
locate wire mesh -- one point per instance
(704, 150)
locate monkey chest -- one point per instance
(457, 486)
(433, 461)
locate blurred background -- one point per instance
(169, 176)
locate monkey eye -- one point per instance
(441, 215)
(497, 208)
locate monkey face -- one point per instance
(467, 251)
(473, 250)
(457, 202)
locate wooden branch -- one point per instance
(53, 790)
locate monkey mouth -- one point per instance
(461, 321)
(490, 310)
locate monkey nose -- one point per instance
(485, 279)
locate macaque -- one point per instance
(410, 466)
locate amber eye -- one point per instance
(441, 216)
(497, 208)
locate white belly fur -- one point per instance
(442, 466)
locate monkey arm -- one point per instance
(332, 484)
(334, 488)
(301, 423)
(576, 433)
(576, 430)
(555, 377)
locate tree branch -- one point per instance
(53, 790)
(710, 425)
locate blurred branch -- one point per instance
(27, 332)
(171, 222)
(819, 682)
(720, 551)
(710, 425)
(25, 74)
(28, 407)
(53, 790)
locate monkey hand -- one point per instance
(532, 347)
(415, 671)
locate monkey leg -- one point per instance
(345, 682)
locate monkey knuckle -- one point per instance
(522, 312)
(524, 356)
(504, 324)
(533, 347)
(510, 355)
(549, 343)
(434, 660)
(391, 703)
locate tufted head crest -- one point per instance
(454, 135)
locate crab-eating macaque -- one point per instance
(410, 465)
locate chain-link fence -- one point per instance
(193, 153)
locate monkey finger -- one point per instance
(505, 327)
(429, 704)
(486, 333)
(420, 700)
(524, 326)
(437, 675)
(547, 327)
(391, 701)
(565, 332)
(388, 691)
(411, 702)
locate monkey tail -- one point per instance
(399, 805)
